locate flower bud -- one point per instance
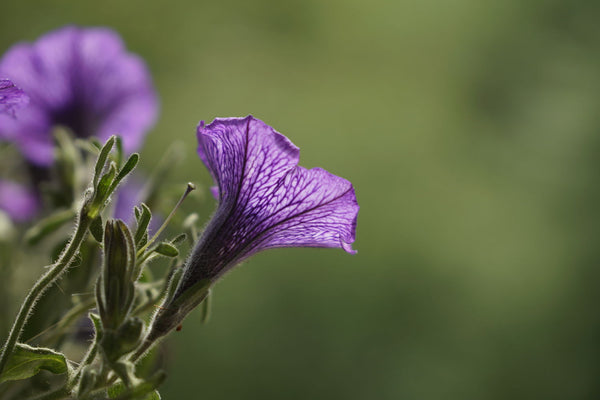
(115, 287)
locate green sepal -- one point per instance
(97, 325)
(48, 225)
(166, 249)
(26, 361)
(117, 276)
(142, 226)
(97, 228)
(103, 188)
(123, 172)
(102, 157)
(119, 147)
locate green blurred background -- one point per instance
(471, 132)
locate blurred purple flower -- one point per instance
(17, 201)
(265, 199)
(83, 79)
(11, 97)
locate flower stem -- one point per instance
(189, 188)
(38, 289)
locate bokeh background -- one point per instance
(471, 131)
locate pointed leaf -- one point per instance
(127, 168)
(142, 226)
(119, 145)
(102, 157)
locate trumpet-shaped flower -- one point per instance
(265, 201)
(11, 97)
(82, 79)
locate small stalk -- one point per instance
(189, 188)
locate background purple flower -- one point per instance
(265, 199)
(83, 79)
(17, 201)
(11, 97)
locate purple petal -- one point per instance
(83, 79)
(265, 199)
(20, 203)
(11, 97)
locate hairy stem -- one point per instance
(38, 289)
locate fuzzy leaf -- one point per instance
(27, 361)
(167, 249)
(142, 225)
(127, 168)
(102, 157)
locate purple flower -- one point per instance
(265, 201)
(82, 79)
(11, 97)
(17, 201)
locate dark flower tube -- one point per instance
(265, 201)
(82, 79)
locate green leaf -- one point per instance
(48, 225)
(119, 388)
(97, 228)
(103, 188)
(127, 168)
(166, 249)
(144, 390)
(102, 157)
(119, 150)
(27, 361)
(142, 226)
(138, 213)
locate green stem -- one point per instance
(42, 285)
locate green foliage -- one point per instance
(120, 392)
(26, 361)
(166, 249)
(97, 228)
